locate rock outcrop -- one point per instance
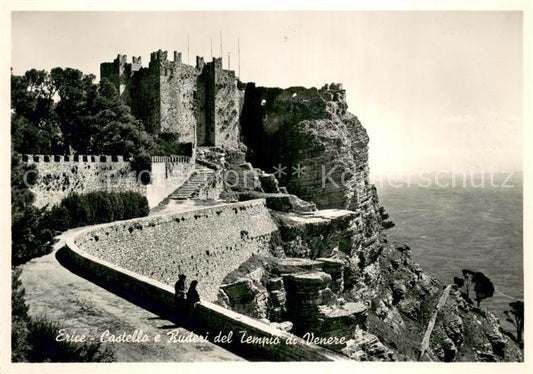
(340, 275)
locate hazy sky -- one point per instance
(435, 90)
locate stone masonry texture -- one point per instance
(203, 244)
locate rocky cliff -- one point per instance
(357, 284)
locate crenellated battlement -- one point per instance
(136, 63)
(217, 63)
(121, 59)
(73, 158)
(200, 63)
(159, 55)
(198, 102)
(333, 92)
(172, 159)
(177, 159)
(333, 87)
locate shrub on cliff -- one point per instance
(516, 317)
(386, 223)
(481, 284)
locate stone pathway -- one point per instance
(425, 341)
(80, 306)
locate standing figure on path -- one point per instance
(192, 299)
(179, 297)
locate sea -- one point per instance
(462, 223)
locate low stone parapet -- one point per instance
(245, 336)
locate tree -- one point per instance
(33, 125)
(516, 317)
(386, 223)
(118, 131)
(468, 276)
(30, 232)
(76, 93)
(482, 285)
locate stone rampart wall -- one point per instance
(209, 319)
(204, 244)
(59, 176)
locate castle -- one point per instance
(200, 104)
(263, 252)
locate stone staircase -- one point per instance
(192, 186)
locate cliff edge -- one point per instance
(360, 286)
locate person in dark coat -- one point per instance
(192, 299)
(179, 297)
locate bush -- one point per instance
(78, 209)
(19, 319)
(386, 223)
(59, 217)
(135, 205)
(142, 164)
(30, 232)
(98, 207)
(44, 347)
(34, 340)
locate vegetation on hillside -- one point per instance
(386, 223)
(516, 317)
(476, 281)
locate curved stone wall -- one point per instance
(204, 244)
(210, 319)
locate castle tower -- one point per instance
(201, 104)
(119, 72)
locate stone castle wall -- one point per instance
(204, 244)
(177, 84)
(228, 103)
(201, 104)
(59, 176)
(168, 173)
(210, 319)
